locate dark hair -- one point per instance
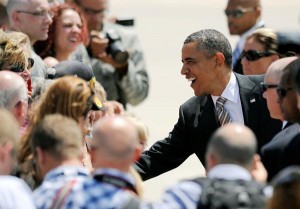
(286, 189)
(295, 74)
(58, 135)
(46, 48)
(210, 42)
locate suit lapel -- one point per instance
(207, 112)
(248, 100)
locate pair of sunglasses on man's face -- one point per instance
(237, 13)
(20, 67)
(281, 91)
(253, 55)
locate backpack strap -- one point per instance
(204, 183)
(62, 194)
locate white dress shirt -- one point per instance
(15, 194)
(233, 104)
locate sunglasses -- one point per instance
(265, 86)
(253, 55)
(20, 67)
(237, 13)
(281, 92)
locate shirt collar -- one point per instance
(114, 172)
(230, 92)
(229, 172)
(67, 171)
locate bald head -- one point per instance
(13, 93)
(275, 69)
(271, 81)
(232, 144)
(115, 140)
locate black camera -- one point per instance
(115, 47)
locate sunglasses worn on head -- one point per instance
(253, 55)
(265, 86)
(281, 92)
(237, 13)
(20, 67)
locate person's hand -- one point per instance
(258, 171)
(98, 44)
(107, 58)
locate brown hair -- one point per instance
(69, 96)
(61, 137)
(286, 191)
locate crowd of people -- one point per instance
(67, 74)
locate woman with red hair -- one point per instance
(66, 33)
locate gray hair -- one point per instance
(10, 94)
(210, 42)
(11, 6)
(39, 86)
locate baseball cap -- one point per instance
(80, 70)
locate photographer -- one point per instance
(116, 56)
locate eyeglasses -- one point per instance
(265, 86)
(90, 11)
(237, 13)
(281, 92)
(253, 55)
(43, 13)
(20, 67)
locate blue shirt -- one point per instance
(186, 194)
(97, 194)
(54, 181)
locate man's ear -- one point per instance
(137, 152)
(220, 59)
(16, 18)
(275, 57)
(5, 150)
(211, 160)
(41, 159)
(258, 12)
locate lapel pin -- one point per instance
(252, 100)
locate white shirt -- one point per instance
(233, 104)
(15, 194)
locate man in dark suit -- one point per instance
(283, 149)
(243, 17)
(206, 57)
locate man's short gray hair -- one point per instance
(210, 42)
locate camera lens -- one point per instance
(121, 56)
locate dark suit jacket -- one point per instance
(196, 123)
(282, 151)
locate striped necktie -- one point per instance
(223, 115)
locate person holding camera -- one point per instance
(116, 55)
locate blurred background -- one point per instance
(162, 26)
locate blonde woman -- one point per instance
(69, 96)
(143, 135)
(13, 57)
